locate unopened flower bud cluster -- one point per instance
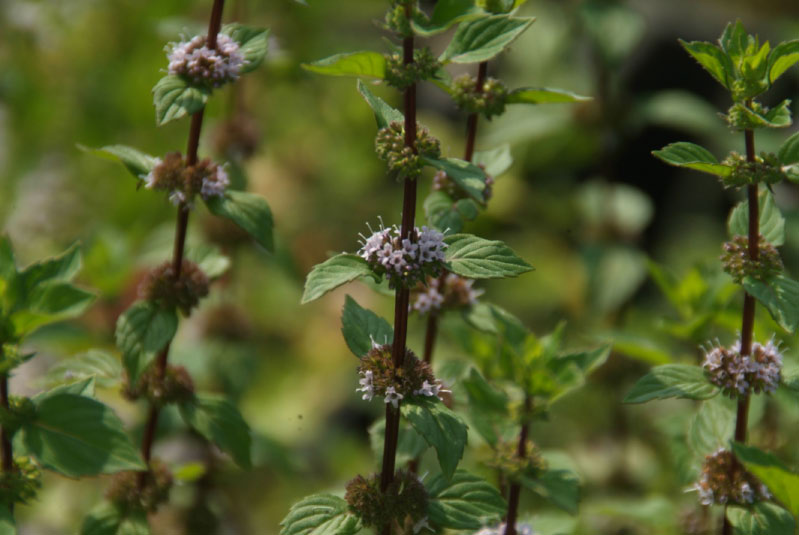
(442, 182)
(403, 505)
(204, 66)
(396, 19)
(21, 483)
(766, 168)
(173, 386)
(506, 459)
(184, 292)
(724, 481)
(400, 75)
(739, 265)
(740, 117)
(379, 377)
(741, 375)
(522, 528)
(183, 182)
(448, 292)
(404, 262)
(402, 161)
(488, 99)
(129, 494)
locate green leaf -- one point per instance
(253, 44)
(789, 151)
(320, 514)
(713, 60)
(464, 501)
(49, 303)
(81, 387)
(334, 272)
(441, 428)
(561, 487)
(79, 436)
(173, 98)
(770, 221)
(384, 114)
(361, 326)
(782, 58)
(781, 482)
(249, 211)
(780, 296)
(468, 176)
(447, 214)
(672, 381)
(496, 161)
(760, 519)
(571, 369)
(543, 95)
(446, 14)
(109, 519)
(138, 163)
(143, 330)
(213, 263)
(8, 525)
(692, 156)
(776, 117)
(712, 427)
(103, 367)
(482, 39)
(364, 63)
(488, 406)
(478, 258)
(734, 40)
(218, 420)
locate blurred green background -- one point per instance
(625, 248)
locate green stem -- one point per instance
(515, 486)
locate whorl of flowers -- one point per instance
(403, 505)
(738, 265)
(183, 181)
(766, 168)
(404, 262)
(173, 386)
(451, 291)
(402, 161)
(185, 292)
(740, 375)
(128, 493)
(442, 182)
(507, 460)
(400, 75)
(724, 481)
(489, 100)
(521, 529)
(205, 66)
(379, 377)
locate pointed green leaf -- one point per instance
(463, 502)
(488, 407)
(561, 487)
(672, 381)
(780, 296)
(448, 215)
(712, 427)
(110, 519)
(734, 40)
(384, 113)
(320, 514)
(334, 272)
(364, 63)
(482, 39)
(174, 98)
(210, 259)
(782, 58)
(789, 151)
(219, 421)
(542, 95)
(79, 436)
(478, 258)
(138, 163)
(81, 387)
(760, 519)
(446, 14)
(103, 367)
(777, 117)
(441, 428)
(713, 60)
(247, 210)
(496, 161)
(253, 44)
(361, 326)
(781, 482)
(692, 156)
(8, 525)
(143, 330)
(49, 303)
(469, 177)
(770, 221)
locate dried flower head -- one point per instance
(404, 262)
(379, 376)
(724, 481)
(740, 375)
(450, 291)
(128, 493)
(21, 483)
(205, 66)
(184, 292)
(738, 265)
(403, 503)
(183, 181)
(174, 386)
(488, 100)
(402, 161)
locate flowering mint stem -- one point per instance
(5, 441)
(148, 438)
(515, 487)
(748, 321)
(471, 122)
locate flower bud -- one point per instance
(739, 265)
(129, 492)
(185, 292)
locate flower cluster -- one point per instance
(174, 386)
(488, 100)
(506, 459)
(724, 481)
(129, 494)
(442, 182)
(743, 117)
(403, 504)
(448, 291)
(161, 287)
(402, 161)
(204, 66)
(183, 181)
(397, 21)
(404, 262)
(740, 375)
(21, 483)
(521, 529)
(379, 377)
(766, 168)
(738, 265)
(400, 75)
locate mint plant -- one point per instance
(64, 429)
(745, 367)
(196, 68)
